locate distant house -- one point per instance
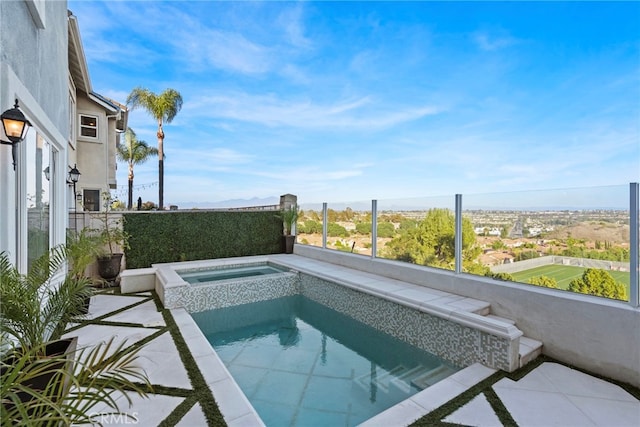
(43, 67)
(96, 123)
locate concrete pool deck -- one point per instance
(188, 380)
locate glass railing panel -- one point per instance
(309, 224)
(417, 230)
(344, 232)
(570, 239)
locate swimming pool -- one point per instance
(201, 276)
(301, 363)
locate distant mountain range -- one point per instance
(233, 203)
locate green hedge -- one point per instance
(158, 237)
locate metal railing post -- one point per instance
(634, 241)
(458, 234)
(325, 225)
(374, 228)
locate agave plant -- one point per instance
(35, 309)
(89, 391)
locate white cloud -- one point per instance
(292, 22)
(270, 110)
(490, 42)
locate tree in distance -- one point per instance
(598, 282)
(133, 152)
(544, 281)
(432, 242)
(163, 107)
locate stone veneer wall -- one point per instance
(226, 293)
(458, 344)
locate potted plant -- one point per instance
(98, 376)
(37, 367)
(83, 249)
(114, 240)
(289, 217)
(35, 310)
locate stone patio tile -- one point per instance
(145, 314)
(103, 304)
(91, 335)
(162, 363)
(539, 408)
(477, 413)
(149, 411)
(195, 417)
(573, 382)
(604, 412)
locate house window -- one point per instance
(88, 126)
(91, 200)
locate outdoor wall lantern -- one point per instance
(15, 126)
(47, 173)
(74, 175)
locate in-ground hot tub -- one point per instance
(214, 274)
(209, 284)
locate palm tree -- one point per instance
(163, 108)
(134, 152)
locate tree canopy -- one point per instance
(598, 282)
(432, 241)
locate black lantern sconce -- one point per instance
(15, 126)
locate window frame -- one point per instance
(82, 126)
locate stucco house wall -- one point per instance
(34, 70)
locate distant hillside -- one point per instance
(589, 231)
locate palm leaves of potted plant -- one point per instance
(289, 217)
(44, 380)
(35, 310)
(114, 239)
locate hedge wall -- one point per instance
(158, 237)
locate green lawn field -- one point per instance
(564, 274)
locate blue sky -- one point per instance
(351, 101)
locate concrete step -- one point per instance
(529, 349)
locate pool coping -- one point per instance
(235, 406)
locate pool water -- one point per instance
(215, 274)
(302, 364)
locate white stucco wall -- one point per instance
(597, 334)
(33, 69)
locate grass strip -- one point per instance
(201, 390)
(498, 407)
(435, 417)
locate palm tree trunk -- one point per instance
(130, 198)
(160, 166)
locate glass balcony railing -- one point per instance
(581, 240)
(570, 239)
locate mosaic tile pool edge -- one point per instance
(230, 293)
(456, 343)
